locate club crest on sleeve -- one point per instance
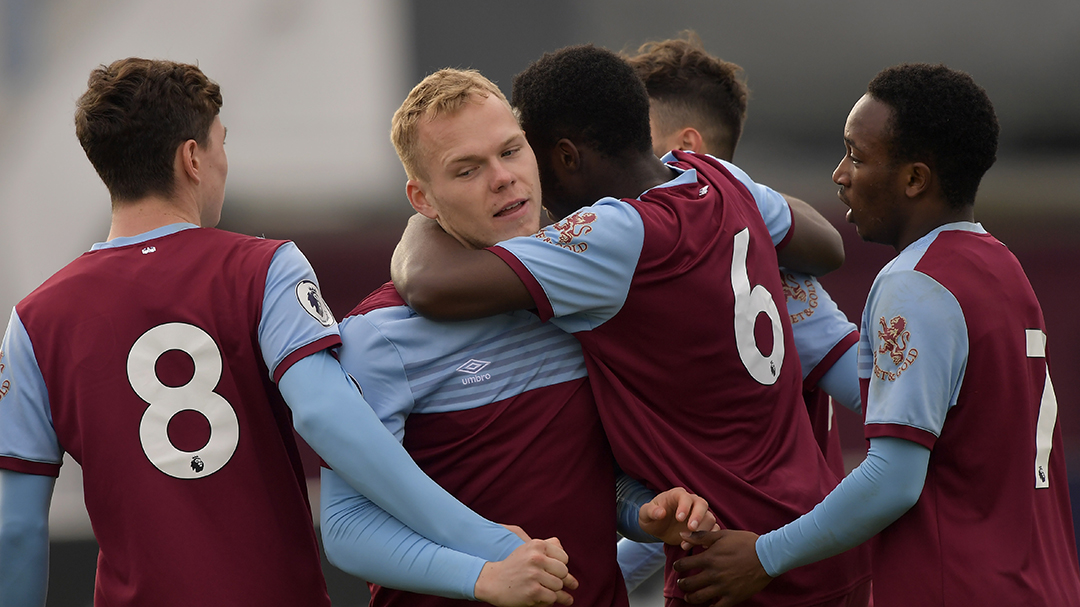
(569, 229)
(894, 336)
(307, 293)
(803, 296)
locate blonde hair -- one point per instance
(443, 92)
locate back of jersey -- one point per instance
(157, 387)
(700, 367)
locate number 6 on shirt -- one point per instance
(749, 303)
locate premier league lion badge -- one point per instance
(307, 293)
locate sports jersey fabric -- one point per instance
(826, 342)
(953, 357)
(663, 292)
(113, 381)
(822, 335)
(494, 410)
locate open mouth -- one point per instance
(511, 209)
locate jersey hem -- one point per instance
(27, 467)
(830, 359)
(323, 343)
(915, 435)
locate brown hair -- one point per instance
(442, 92)
(133, 116)
(689, 87)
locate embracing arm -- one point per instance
(815, 246)
(442, 280)
(24, 538)
(332, 416)
(738, 564)
(362, 539)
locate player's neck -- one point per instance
(131, 218)
(630, 176)
(931, 218)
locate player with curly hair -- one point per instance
(964, 485)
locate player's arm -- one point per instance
(24, 538)
(814, 246)
(443, 280)
(362, 539)
(332, 416)
(737, 564)
(841, 381)
(647, 516)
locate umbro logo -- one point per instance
(149, 250)
(473, 366)
(703, 191)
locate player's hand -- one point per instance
(534, 574)
(674, 511)
(727, 572)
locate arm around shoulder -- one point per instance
(443, 280)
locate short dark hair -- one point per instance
(941, 117)
(690, 87)
(586, 94)
(135, 113)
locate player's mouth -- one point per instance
(513, 208)
(840, 195)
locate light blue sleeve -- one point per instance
(332, 416)
(817, 323)
(639, 562)
(26, 429)
(876, 493)
(630, 496)
(841, 381)
(24, 538)
(774, 209)
(916, 348)
(584, 263)
(362, 539)
(294, 313)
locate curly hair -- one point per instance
(690, 87)
(941, 117)
(442, 92)
(586, 94)
(135, 113)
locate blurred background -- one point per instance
(310, 87)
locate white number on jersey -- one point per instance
(167, 401)
(1048, 409)
(749, 303)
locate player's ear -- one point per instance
(188, 162)
(690, 140)
(918, 177)
(566, 156)
(418, 198)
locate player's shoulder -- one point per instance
(386, 296)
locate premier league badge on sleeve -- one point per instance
(307, 293)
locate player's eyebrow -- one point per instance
(851, 144)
